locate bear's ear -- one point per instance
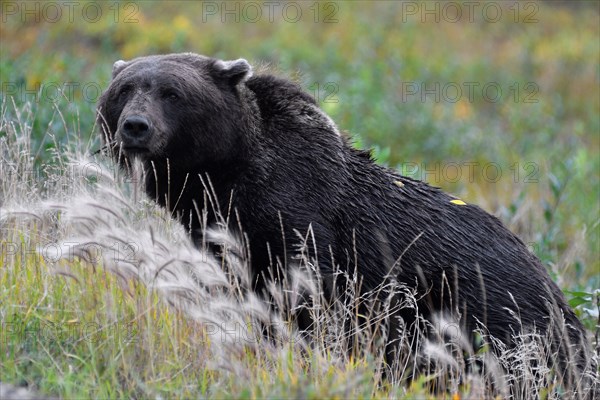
(118, 66)
(235, 71)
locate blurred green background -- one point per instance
(497, 102)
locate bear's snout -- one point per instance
(135, 133)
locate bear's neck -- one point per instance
(190, 193)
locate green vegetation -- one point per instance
(530, 156)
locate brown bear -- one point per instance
(266, 152)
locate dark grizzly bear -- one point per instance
(280, 163)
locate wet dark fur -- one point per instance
(268, 149)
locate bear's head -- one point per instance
(185, 108)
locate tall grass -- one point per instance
(103, 294)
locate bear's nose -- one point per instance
(136, 127)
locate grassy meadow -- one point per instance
(101, 293)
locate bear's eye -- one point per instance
(124, 91)
(170, 95)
